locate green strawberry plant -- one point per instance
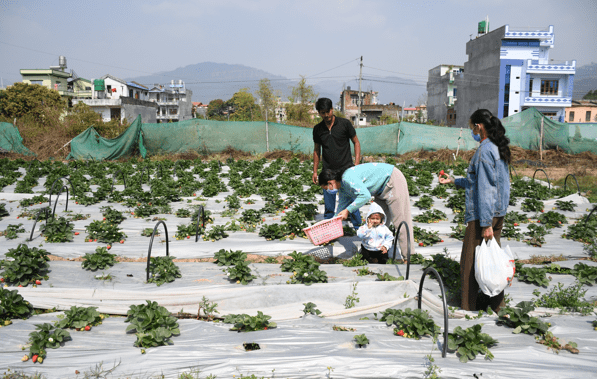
(457, 203)
(458, 232)
(251, 216)
(385, 277)
(512, 217)
(425, 237)
(58, 229)
(537, 233)
(585, 274)
(12, 231)
(583, 231)
(46, 336)
(145, 210)
(448, 269)
(532, 205)
(152, 323)
(518, 318)
(29, 265)
(111, 215)
(417, 259)
(511, 232)
(163, 270)
(565, 205)
(104, 232)
(247, 323)
(310, 308)
(274, 231)
(553, 219)
(229, 258)
(305, 269)
(38, 199)
(100, 260)
(80, 318)
(439, 192)
(470, 342)
(147, 232)
(187, 231)
(425, 202)
(240, 272)
(552, 342)
(355, 261)
(433, 215)
(209, 309)
(217, 232)
(361, 340)
(415, 323)
(12, 305)
(533, 275)
(183, 212)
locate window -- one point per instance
(36, 82)
(109, 88)
(588, 116)
(549, 87)
(571, 118)
(130, 93)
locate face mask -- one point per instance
(475, 136)
(332, 191)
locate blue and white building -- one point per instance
(509, 70)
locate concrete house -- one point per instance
(441, 89)
(116, 98)
(582, 111)
(174, 102)
(509, 70)
(350, 104)
(68, 84)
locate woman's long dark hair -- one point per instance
(495, 132)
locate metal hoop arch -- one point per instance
(46, 210)
(547, 176)
(445, 312)
(394, 246)
(576, 180)
(66, 207)
(152, 242)
(198, 221)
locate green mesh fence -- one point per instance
(11, 140)
(206, 136)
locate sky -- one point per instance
(319, 39)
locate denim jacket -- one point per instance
(487, 185)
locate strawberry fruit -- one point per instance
(34, 358)
(88, 328)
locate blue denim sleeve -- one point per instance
(487, 188)
(461, 182)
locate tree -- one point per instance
(268, 98)
(22, 99)
(244, 105)
(82, 117)
(215, 109)
(591, 95)
(301, 100)
(423, 99)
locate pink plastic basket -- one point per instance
(325, 231)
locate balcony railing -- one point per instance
(533, 66)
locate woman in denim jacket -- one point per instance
(487, 196)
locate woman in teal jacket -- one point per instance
(383, 181)
(487, 187)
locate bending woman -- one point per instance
(487, 196)
(383, 181)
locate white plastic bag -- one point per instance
(494, 267)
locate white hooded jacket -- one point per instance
(377, 237)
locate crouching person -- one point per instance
(376, 237)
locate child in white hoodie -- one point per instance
(376, 237)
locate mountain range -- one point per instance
(209, 81)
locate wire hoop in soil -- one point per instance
(431, 270)
(394, 246)
(152, 242)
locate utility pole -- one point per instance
(360, 93)
(402, 109)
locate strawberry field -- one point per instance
(233, 287)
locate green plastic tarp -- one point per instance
(90, 145)
(11, 140)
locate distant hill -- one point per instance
(585, 80)
(209, 81)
